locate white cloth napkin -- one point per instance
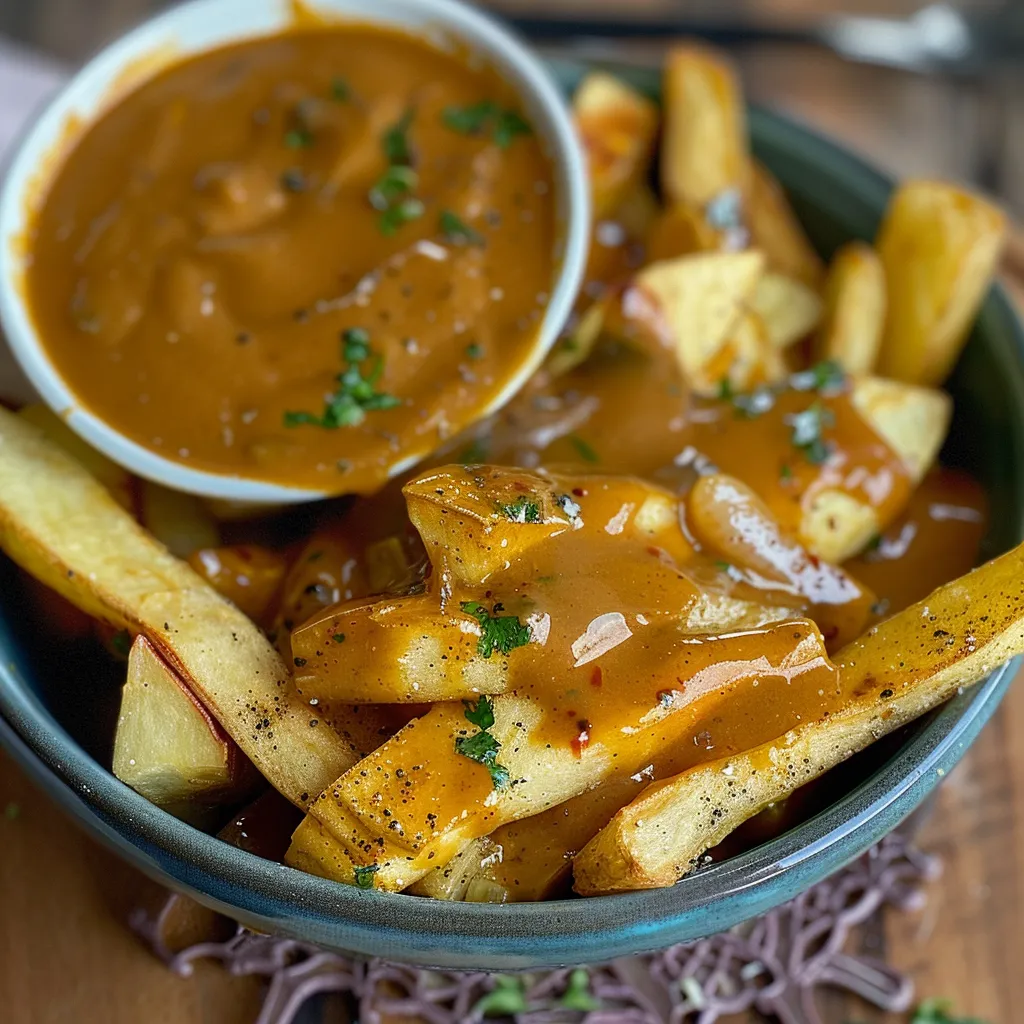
(26, 81)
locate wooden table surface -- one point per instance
(65, 953)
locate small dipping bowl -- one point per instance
(204, 25)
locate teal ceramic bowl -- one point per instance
(63, 739)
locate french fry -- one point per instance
(577, 346)
(896, 672)
(913, 422)
(789, 309)
(681, 230)
(775, 230)
(409, 807)
(122, 486)
(939, 245)
(731, 521)
(63, 527)
(617, 126)
(693, 302)
(854, 309)
(168, 747)
(249, 576)
(704, 143)
(746, 360)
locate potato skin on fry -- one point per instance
(894, 673)
(62, 526)
(939, 245)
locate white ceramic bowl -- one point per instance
(207, 24)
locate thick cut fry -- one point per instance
(122, 486)
(576, 347)
(730, 520)
(168, 747)
(617, 126)
(775, 230)
(681, 230)
(693, 303)
(704, 143)
(398, 650)
(854, 314)
(62, 526)
(409, 808)
(896, 672)
(939, 245)
(787, 307)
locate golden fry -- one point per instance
(854, 313)
(939, 245)
(954, 638)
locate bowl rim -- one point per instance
(31, 167)
(429, 933)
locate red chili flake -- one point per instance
(571, 714)
(595, 676)
(652, 550)
(580, 492)
(582, 740)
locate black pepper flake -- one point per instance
(299, 662)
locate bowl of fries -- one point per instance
(374, 706)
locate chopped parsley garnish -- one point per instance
(298, 138)
(577, 995)
(725, 390)
(365, 875)
(827, 376)
(522, 510)
(506, 999)
(395, 141)
(497, 632)
(122, 642)
(340, 90)
(482, 747)
(338, 638)
(475, 350)
(940, 1011)
(457, 231)
(723, 566)
(807, 428)
(785, 472)
(401, 213)
(487, 117)
(583, 449)
(356, 395)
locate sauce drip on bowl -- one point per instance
(302, 258)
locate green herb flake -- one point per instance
(484, 118)
(723, 566)
(395, 141)
(725, 390)
(340, 90)
(584, 450)
(940, 1011)
(577, 995)
(122, 642)
(400, 214)
(393, 185)
(482, 747)
(457, 231)
(506, 999)
(497, 632)
(357, 393)
(338, 638)
(364, 874)
(806, 432)
(298, 138)
(475, 350)
(522, 510)
(12, 811)
(785, 472)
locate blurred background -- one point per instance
(918, 88)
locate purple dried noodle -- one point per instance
(772, 965)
